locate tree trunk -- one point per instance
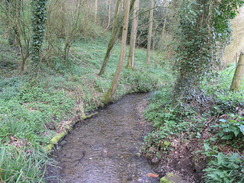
(66, 51)
(165, 21)
(96, 11)
(239, 73)
(149, 40)
(115, 32)
(131, 59)
(111, 91)
(112, 39)
(122, 6)
(109, 14)
(38, 20)
(13, 8)
(87, 10)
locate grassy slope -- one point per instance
(32, 110)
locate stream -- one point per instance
(106, 147)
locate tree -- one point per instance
(17, 25)
(115, 32)
(111, 91)
(203, 30)
(72, 21)
(131, 62)
(13, 8)
(239, 73)
(122, 6)
(112, 40)
(149, 40)
(109, 13)
(38, 26)
(165, 21)
(96, 11)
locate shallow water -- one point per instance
(106, 148)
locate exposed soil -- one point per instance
(182, 159)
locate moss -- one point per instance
(170, 175)
(164, 180)
(172, 178)
(166, 143)
(48, 148)
(106, 98)
(58, 137)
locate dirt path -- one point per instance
(106, 148)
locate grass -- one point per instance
(32, 109)
(22, 165)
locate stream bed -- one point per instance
(106, 147)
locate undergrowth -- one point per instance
(32, 109)
(212, 128)
(22, 165)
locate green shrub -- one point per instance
(168, 120)
(225, 168)
(141, 81)
(231, 128)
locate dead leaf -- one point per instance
(153, 175)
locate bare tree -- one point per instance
(109, 13)
(13, 13)
(18, 27)
(165, 22)
(149, 40)
(111, 43)
(239, 73)
(111, 91)
(131, 62)
(96, 11)
(115, 32)
(72, 18)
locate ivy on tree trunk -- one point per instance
(39, 16)
(204, 29)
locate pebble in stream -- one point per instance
(105, 148)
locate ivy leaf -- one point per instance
(206, 147)
(242, 129)
(222, 120)
(227, 137)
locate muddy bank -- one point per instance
(106, 148)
